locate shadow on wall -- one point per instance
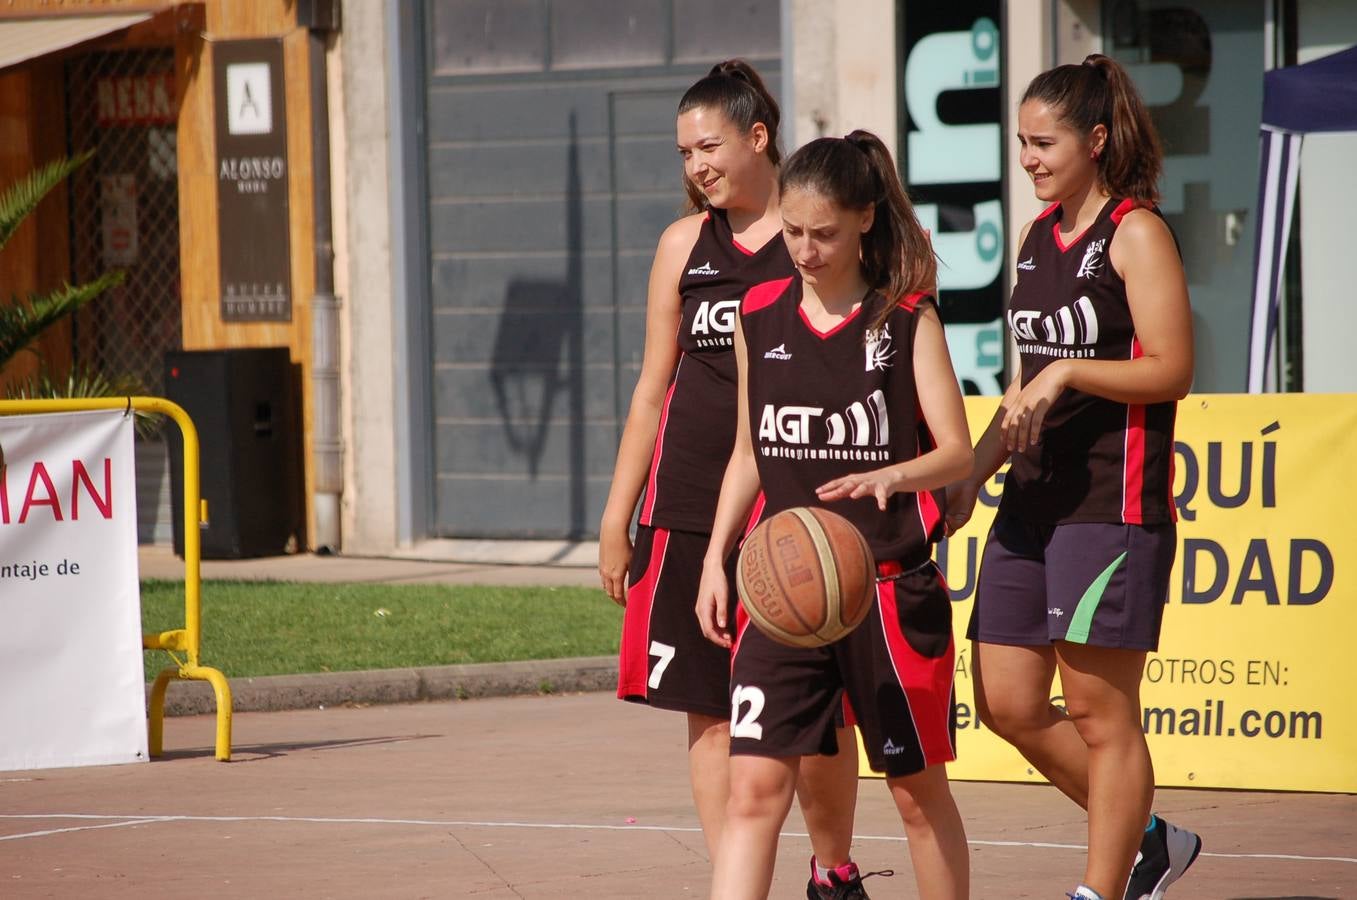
(538, 357)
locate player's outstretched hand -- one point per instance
(713, 601)
(879, 483)
(614, 558)
(961, 497)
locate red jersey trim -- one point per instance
(1124, 207)
(911, 303)
(1055, 230)
(741, 623)
(634, 654)
(1133, 465)
(1047, 211)
(764, 295)
(822, 335)
(755, 514)
(741, 247)
(934, 742)
(652, 483)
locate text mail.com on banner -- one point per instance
(72, 687)
(1249, 686)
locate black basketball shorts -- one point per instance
(1095, 583)
(896, 669)
(664, 659)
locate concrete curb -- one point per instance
(278, 692)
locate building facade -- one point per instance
(474, 189)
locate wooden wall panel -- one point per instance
(191, 28)
(203, 325)
(18, 259)
(53, 218)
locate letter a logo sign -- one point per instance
(249, 94)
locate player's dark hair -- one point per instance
(855, 172)
(738, 93)
(1099, 92)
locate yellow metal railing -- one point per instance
(186, 640)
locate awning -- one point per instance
(1318, 96)
(24, 39)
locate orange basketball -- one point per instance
(806, 577)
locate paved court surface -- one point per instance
(545, 797)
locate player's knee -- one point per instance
(1102, 726)
(759, 795)
(1009, 718)
(919, 796)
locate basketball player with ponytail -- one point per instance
(1075, 572)
(679, 432)
(848, 401)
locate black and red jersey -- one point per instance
(823, 405)
(1097, 460)
(697, 422)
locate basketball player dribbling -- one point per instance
(1075, 571)
(678, 435)
(847, 401)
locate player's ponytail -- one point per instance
(855, 172)
(1100, 92)
(734, 89)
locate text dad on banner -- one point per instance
(1248, 687)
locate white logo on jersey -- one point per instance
(862, 430)
(1093, 259)
(715, 315)
(1071, 325)
(1028, 265)
(1055, 611)
(704, 269)
(778, 352)
(879, 350)
(790, 424)
(890, 749)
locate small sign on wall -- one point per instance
(118, 205)
(252, 181)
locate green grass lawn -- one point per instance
(272, 628)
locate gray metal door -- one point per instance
(551, 173)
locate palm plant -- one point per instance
(22, 321)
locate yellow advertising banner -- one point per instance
(1249, 687)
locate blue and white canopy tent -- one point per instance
(1317, 96)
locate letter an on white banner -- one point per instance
(72, 689)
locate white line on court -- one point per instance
(557, 826)
(51, 831)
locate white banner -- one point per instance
(72, 690)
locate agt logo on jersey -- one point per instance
(778, 352)
(860, 432)
(704, 269)
(716, 316)
(879, 350)
(1092, 262)
(1070, 326)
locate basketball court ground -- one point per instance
(576, 796)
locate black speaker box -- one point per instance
(243, 404)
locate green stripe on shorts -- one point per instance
(1082, 620)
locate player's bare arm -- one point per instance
(739, 488)
(663, 312)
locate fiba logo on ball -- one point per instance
(806, 577)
